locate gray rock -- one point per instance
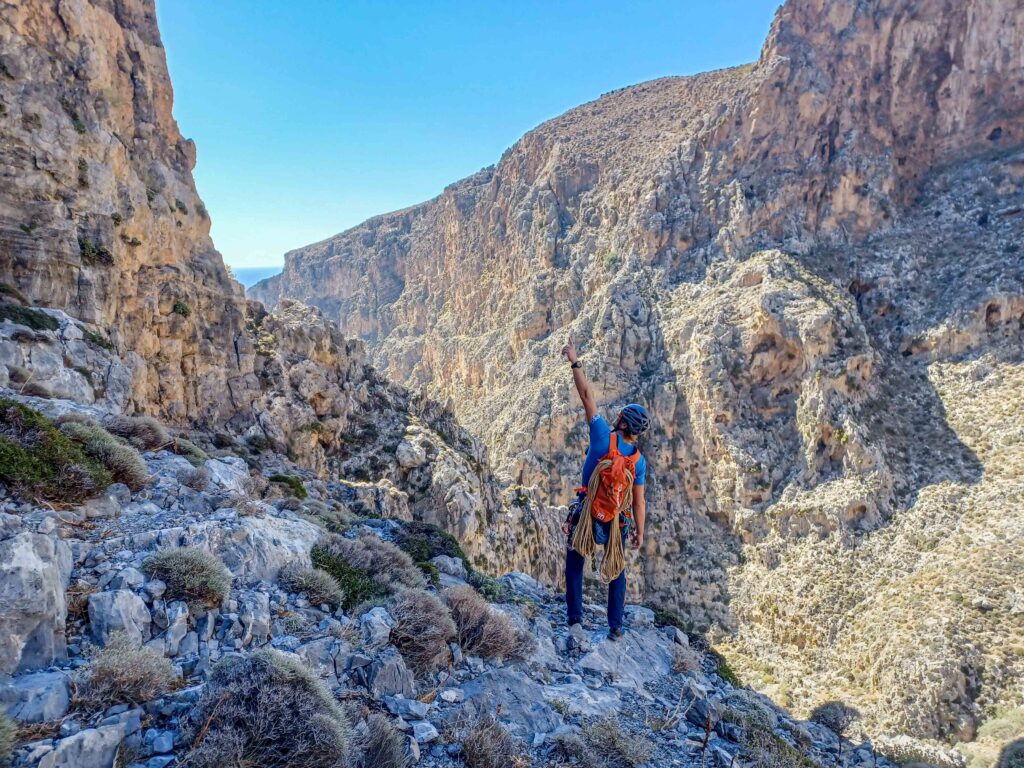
(36, 698)
(177, 627)
(255, 617)
(375, 627)
(92, 748)
(119, 610)
(34, 573)
(452, 566)
(388, 675)
(452, 695)
(638, 616)
(410, 454)
(129, 578)
(424, 732)
(229, 473)
(407, 708)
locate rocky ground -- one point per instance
(76, 580)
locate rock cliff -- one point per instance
(99, 215)
(809, 268)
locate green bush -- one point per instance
(603, 744)
(31, 318)
(319, 586)
(293, 483)
(422, 628)
(37, 459)
(8, 737)
(366, 569)
(97, 339)
(190, 574)
(93, 254)
(266, 710)
(122, 460)
(181, 308)
(123, 672)
(182, 208)
(424, 541)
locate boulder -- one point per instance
(375, 626)
(118, 610)
(91, 748)
(34, 573)
(36, 698)
(388, 675)
(228, 473)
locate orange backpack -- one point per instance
(613, 482)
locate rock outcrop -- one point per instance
(99, 215)
(809, 268)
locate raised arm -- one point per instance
(580, 379)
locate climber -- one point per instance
(612, 495)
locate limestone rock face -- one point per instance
(33, 606)
(809, 269)
(99, 215)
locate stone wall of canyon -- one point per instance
(809, 269)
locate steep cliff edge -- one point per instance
(809, 268)
(99, 215)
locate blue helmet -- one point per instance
(636, 418)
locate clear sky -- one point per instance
(313, 115)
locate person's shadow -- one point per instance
(1012, 755)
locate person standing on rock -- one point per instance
(610, 502)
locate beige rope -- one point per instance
(613, 562)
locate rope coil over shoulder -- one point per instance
(613, 561)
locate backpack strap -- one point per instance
(613, 445)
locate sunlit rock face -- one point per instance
(809, 269)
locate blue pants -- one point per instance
(574, 563)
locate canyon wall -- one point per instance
(809, 269)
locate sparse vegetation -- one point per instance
(197, 478)
(123, 672)
(31, 318)
(603, 744)
(93, 254)
(37, 459)
(97, 339)
(292, 482)
(143, 432)
(182, 208)
(120, 459)
(384, 746)
(319, 586)
(6, 289)
(8, 734)
(190, 574)
(181, 308)
(422, 628)
(183, 447)
(268, 710)
(484, 631)
(486, 744)
(117, 219)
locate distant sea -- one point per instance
(249, 276)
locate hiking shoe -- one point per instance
(615, 634)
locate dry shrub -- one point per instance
(266, 710)
(8, 734)
(195, 455)
(123, 672)
(422, 628)
(385, 746)
(835, 716)
(248, 507)
(486, 744)
(121, 459)
(36, 389)
(483, 630)
(196, 478)
(603, 744)
(318, 585)
(685, 659)
(143, 432)
(190, 574)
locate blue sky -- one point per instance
(313, 115)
